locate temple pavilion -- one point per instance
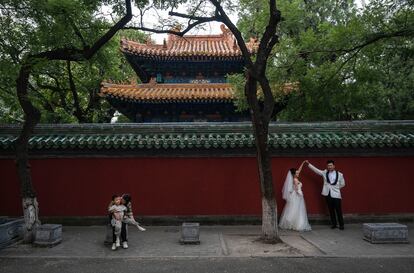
(183, 79)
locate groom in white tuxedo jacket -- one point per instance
(333, 181)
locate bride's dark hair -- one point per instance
(293, 171)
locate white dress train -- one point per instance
(294, 215)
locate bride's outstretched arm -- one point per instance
(301, 166)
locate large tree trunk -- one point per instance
(32, 117)
(31, 218)
(270, 231)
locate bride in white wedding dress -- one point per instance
(294, 215)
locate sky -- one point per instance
(152, 18)
(208, 28)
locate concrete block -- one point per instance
(11, 230)
(48, 235)
(190, 233)
(383, 233)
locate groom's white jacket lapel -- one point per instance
(335, 190)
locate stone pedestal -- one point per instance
(11, 230)
(190, 233)
(385, 233)
(48, 235)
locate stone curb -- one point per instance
(223, 220)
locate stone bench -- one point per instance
(385, 233)
(11, 230)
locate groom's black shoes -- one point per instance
(335, 226)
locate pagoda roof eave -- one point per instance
(182, 57)
(168, 93)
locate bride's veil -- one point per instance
(288, 186)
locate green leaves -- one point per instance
(33, 26)
(349, 63)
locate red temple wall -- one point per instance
(202, 186)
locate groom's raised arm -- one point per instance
(316, 170)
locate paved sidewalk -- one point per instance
(216, 241)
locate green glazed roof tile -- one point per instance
(369, 135)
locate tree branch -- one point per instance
(374, 38)
(269, 38)
(191, 17)
(58, 90)
(50, 75)
(221, 14)
(174, 32)
(93, 99)
(342, 66)
(273, 41)
(78, 113)
(45, 102)
(75, 54)
(77, 32)
(111, 32)
(269, 100)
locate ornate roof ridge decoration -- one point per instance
(335, 135)
(132, 84)
(154, 92)
(217, 45)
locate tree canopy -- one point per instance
(64, 91)
(348, 63)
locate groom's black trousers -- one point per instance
(335, 210)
